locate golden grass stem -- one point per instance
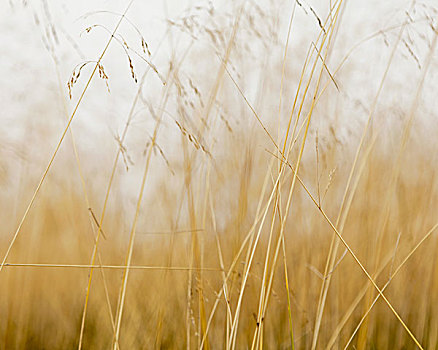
(344, 209)
(55, 152)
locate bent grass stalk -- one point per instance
(343, 211)
(55, 152)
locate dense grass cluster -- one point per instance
(253, 196)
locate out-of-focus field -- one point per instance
(212, 189)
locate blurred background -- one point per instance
(162, 99)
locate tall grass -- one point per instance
(257, 195)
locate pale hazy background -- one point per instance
(35, 33)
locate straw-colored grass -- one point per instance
(251, 199)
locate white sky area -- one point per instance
(34, 32)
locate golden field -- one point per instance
(264, 189)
